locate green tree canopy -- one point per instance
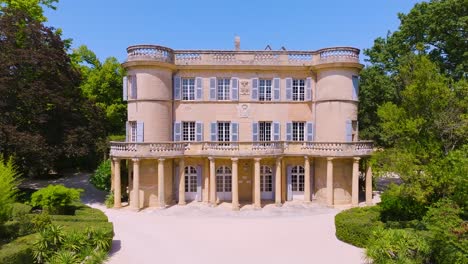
(45, 123)
(34, 8)
(102, 84)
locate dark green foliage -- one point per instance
(18, 251)
(8, 187)
(40, 221)
(101, 178)
(55, 199)
(355, 226)
(46, 122)
(399, 205)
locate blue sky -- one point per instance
(108, 26)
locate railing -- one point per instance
(240, 149)
(150, 52)
(225, 57)
(339, 54)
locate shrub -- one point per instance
(101, 178)
(8, 187)
(50, 240)
(448, 232)
(398, 246)
(109, 200)
(398, 205)
(55, 199)
(18, 251)
(40, 221)
(64, 257)
(355, 226)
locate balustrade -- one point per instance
(268, 57)
(173, 149)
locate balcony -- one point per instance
(240, 149)
(242, 58)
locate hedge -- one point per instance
(355, 226)
(18, 251)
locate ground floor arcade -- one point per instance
(162, 182)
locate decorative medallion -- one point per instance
(243, 110)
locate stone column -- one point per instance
(257, 193)
(355, 183)
(278, 182)
(136, 184)
(369, 185)
(330, 181)
(117, 184)
(112, 173)
(235, 184)
(306, 179)
(181, 173)
(206, 182)
(212, 182)
(161, 185)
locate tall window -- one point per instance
(190, 179)
(188, 131)
(223, 89)
(298, 131)
(264, 90)
(188, 88)
(297, 178)
(264, 131)
(298, 89)
(133, 131)
(266, 179)
(224, 131)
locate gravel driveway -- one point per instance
(196, 233)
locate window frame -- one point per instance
(133, 131)
(188, 131)
(298, 89)
(223, 89)
(265, 130)
(188, 89)
(265, 89)
(298, 131)
(223, 133)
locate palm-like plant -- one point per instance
(50, 240)
(64, 257)
(8, 187)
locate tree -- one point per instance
(102, 84)
(438, 29)
(34, 8)
(46, 123)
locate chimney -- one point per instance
(237, 43)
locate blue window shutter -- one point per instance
(199, 183)
(289, 184)
(255, 89)
(234, 89)
(355, 87)
(134, 87)
(199, 88)
(199, 131)
(273, 180)
(234, 131)
(177, 128)
(140, 132)
(213, 82)
(254, 131)
(289, 89)
(308, 89)
(177, 179)
(349, 131)
(125, 88)
(289, 131)
(177, 88)
(276, 131)
(127, 131)
(214, 132)
(276, 89)
(310, 131)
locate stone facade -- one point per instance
(241, 127)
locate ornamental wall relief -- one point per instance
(243, 110)
(244, 88)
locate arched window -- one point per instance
(190, 179)
(297, 178)
(266, 179)
(223, 179)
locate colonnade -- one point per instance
(211, 182)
